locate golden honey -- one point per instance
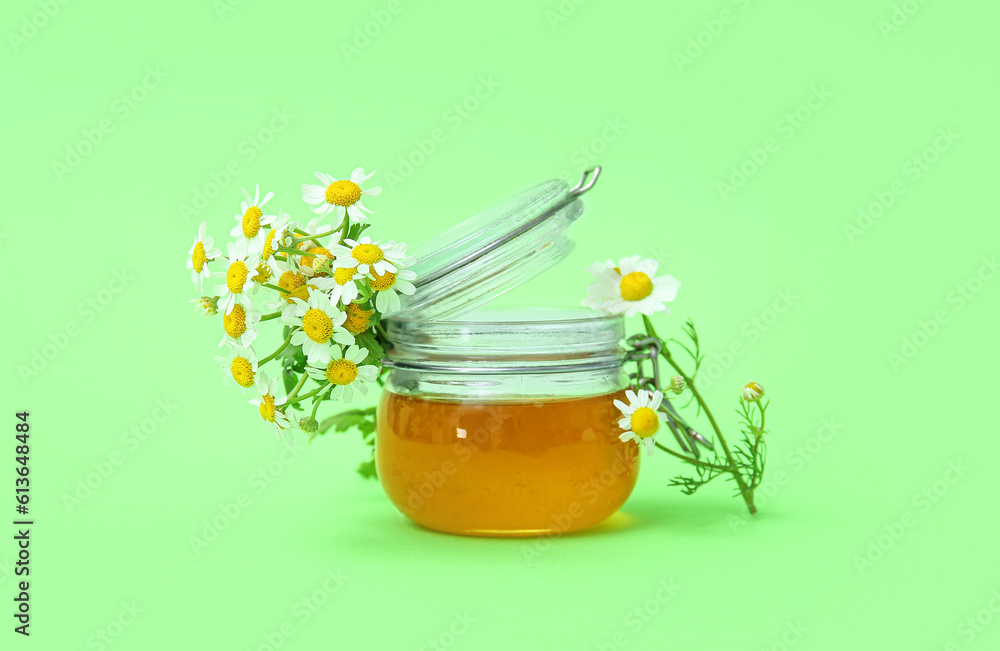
(504, 468)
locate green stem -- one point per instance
(300, 240)
(275, 288)
(344, 226)
(293, 399)
(295, 390)
(285, 249)
(690, 460)
(745, 490)
(316, 405)
(272, 315)
(277, 352)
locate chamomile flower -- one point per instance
(358, 318)
(294, 284)
(318, 259)
(753, 391)
(250, 221)
(242, 260)
(320, 325)
(345, 373)
(240, 326)
(240, 364)
(270, 405)
(345, 193)
(277, 237)
(387, 285)
(641, 418)
(206, 305)
(345, 286)
(630, 287)
(202, 252)
(369, 257)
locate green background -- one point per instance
(807, 296)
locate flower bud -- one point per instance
(677, 384)
(207, 305)
(308, 424)
(321, 265)
(753, 392)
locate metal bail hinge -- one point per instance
(643, 348)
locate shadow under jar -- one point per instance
(503, 423)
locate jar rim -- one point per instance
(583, 316)
(508, 340)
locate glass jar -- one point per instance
(503, 423)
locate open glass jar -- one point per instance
(502, 422)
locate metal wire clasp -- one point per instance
(643, 348)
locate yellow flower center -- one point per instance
(357, 318)
(242, 371)
(251, 221)
(317, 326)
(235, 322)
(294, 285)
(263, 274)
(343, 193)
(236, 277)
(635, 286)
(307, 260)
(343, 275)
(267, 407)
(382, 282)
(341, 371)
(645, 422)
(198, 257)
(268, 250)
(366, 253)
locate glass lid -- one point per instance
(495, 251)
